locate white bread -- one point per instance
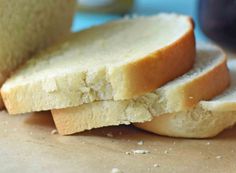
(207, 119)
(201, 83)
(26, 26)
(118, 60)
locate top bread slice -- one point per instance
(118, 60)
(208, 78)
(27, 26)
(205, 120)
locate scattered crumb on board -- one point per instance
(54, 131)
(110, 135)
(127, 152)
(140, 142)
(116, 170)
(140, 151)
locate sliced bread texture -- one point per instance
(118, 60)
(208, 78)
(27, 26)
(207, 119)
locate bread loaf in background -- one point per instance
(27, 26)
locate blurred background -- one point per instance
(215, 20)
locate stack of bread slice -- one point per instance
(145, 70)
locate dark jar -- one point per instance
(217, 19)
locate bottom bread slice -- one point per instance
(208, 78)
(196, 123)
(207, 119)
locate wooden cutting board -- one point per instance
(27, 145)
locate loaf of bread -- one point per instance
(208, 78)
(118, 60)
(27, 26)
(207, 119)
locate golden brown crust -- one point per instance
(217, 80)
(170, 62)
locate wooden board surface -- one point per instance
(27, 145)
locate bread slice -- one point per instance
(118, 60)
(207, 119)
(208, 78)
(26, 26)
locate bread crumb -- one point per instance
(156, 165)
(116, 170)
(54, 131)
(190, 97)
(110, 135)
(127, 152)
(166, 152)
(140, 143)
(208, 143)
(219, 157)
(141, 151)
